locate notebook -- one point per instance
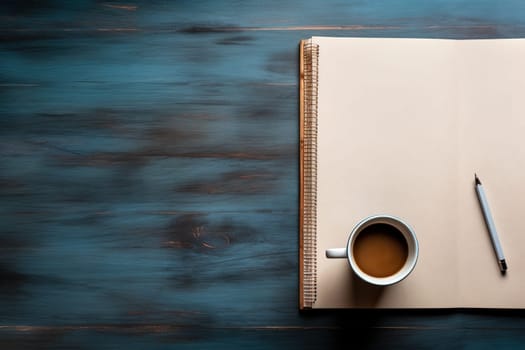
(399, 127)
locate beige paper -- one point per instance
(403, 126)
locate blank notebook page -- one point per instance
(403, 124)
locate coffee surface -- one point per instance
(380, 250)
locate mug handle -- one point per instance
(335, 253)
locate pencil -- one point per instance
(489, 221)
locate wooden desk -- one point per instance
(149, 175)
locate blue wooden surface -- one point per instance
(149, 175)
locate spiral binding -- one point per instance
(310, 59)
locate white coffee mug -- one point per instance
(407, 232)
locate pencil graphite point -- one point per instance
(477, 179)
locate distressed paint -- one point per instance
(148, 174)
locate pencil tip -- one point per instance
(477, 179)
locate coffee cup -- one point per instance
(381, 250)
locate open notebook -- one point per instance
(399, 127)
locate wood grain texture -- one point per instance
(149, 174)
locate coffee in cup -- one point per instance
(381, 250)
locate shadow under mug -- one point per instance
(407, 232)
